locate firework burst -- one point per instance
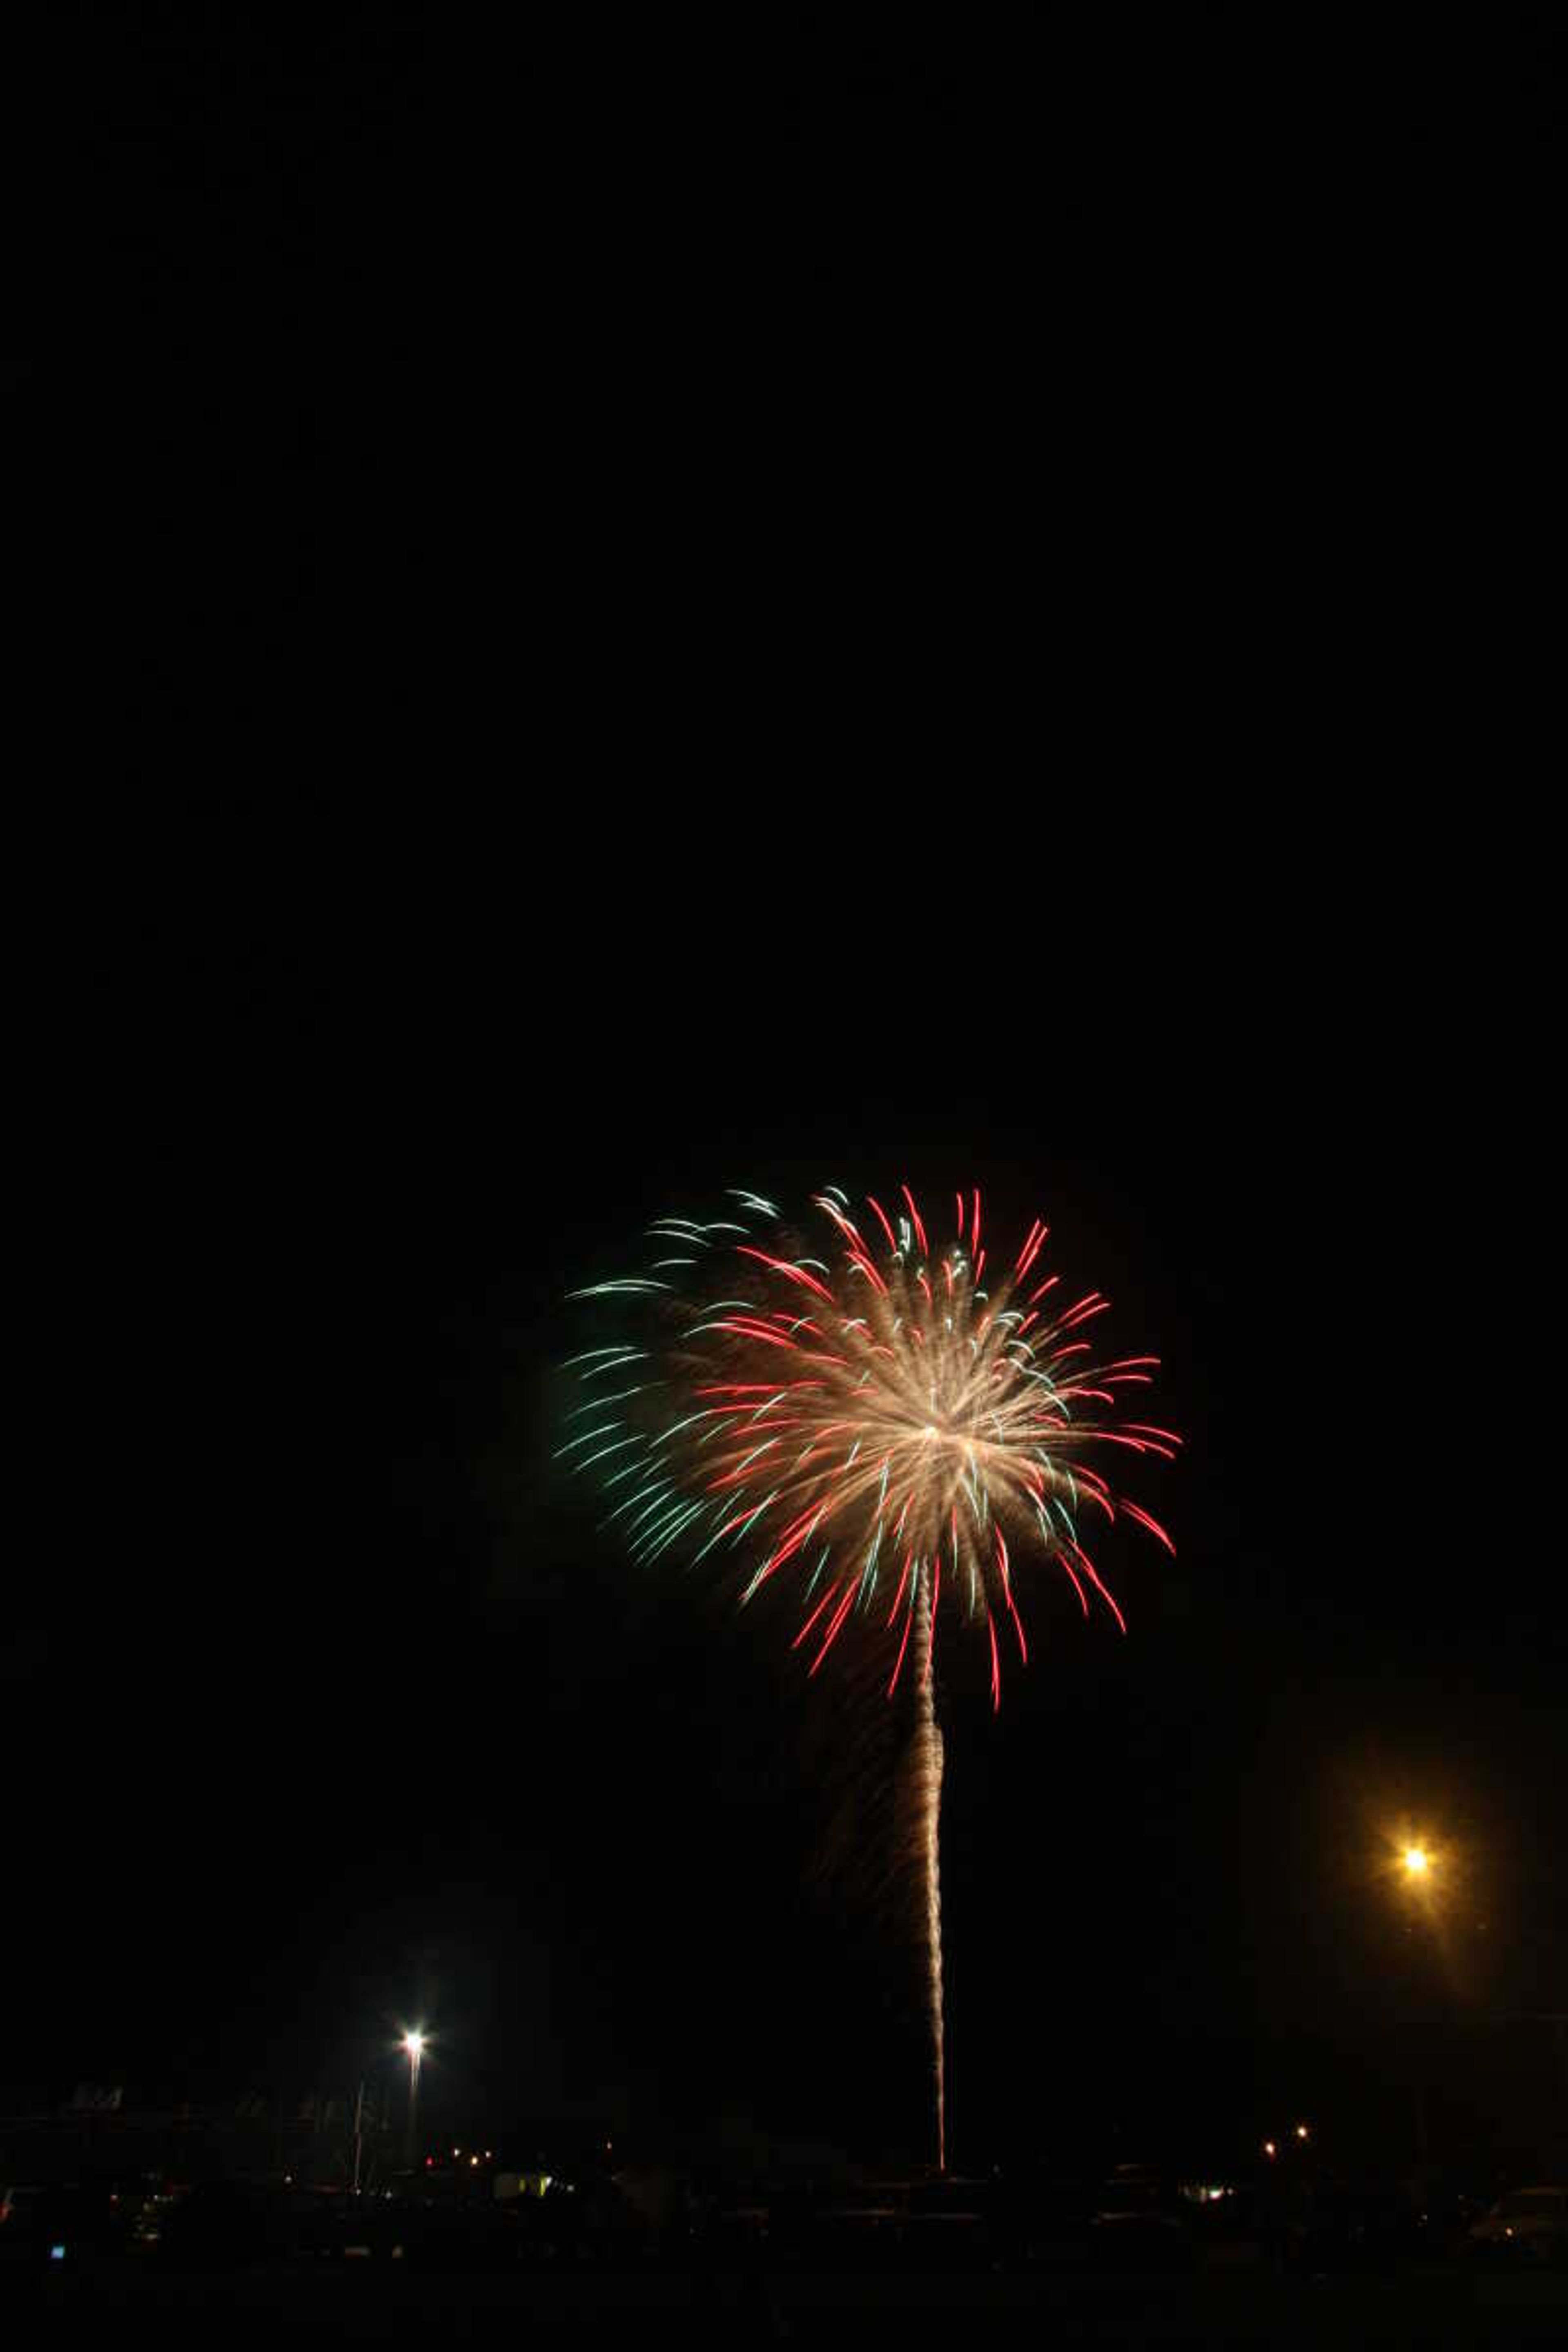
(876, 1424)
(864, 1419)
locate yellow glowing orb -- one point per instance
(1416, 1860)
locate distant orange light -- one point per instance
(1416, 1860)
(1269, 2150)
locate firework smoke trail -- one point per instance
(862, 1419)
(925, 1788)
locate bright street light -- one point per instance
(1417, 1862)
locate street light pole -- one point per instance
(415, 2045)
(1416, 1862)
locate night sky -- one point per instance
(638, 626)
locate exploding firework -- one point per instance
(878, 1428)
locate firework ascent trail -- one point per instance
(875, 1420)
(925, 1791)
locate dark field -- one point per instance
(368, 2304)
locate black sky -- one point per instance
(637, 623)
